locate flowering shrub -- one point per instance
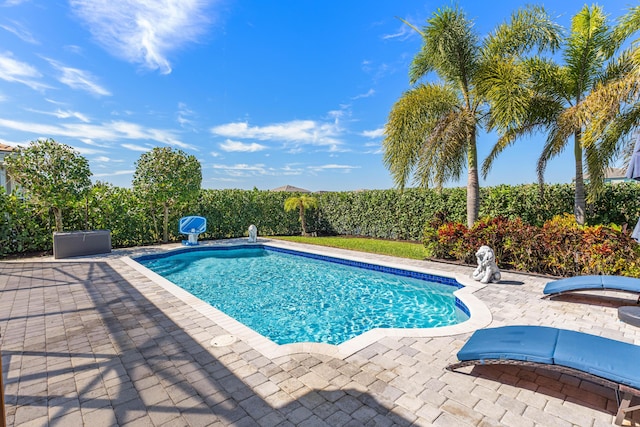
(447, 241)
(560, 247)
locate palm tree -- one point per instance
(543, 96)
(432, 129)
(301, 203)
(611, 111)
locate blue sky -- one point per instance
(263, 93)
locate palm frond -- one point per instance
(411, 120)
(443, 155)
(628, 24)
(507, 138)
(540, 113)
(450, 48)
(560, 131)
(504, 83)
(530, 28)
(589, 45)
(610, 110)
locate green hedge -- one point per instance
(388, 214)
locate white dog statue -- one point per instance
(253, 234)
(487, 270)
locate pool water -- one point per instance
(290, 298)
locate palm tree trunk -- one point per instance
(302, 220)
(579, 206)
(473, 185)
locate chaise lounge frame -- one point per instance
(624, 393)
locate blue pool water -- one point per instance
(292, 298)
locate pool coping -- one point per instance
(479, 314)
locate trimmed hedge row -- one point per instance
(388, 214)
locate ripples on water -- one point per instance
(289, 298)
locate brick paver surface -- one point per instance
(94, 342)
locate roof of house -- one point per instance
(612, 173)
(4, 147)
(291, 189)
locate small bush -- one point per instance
(559, 247)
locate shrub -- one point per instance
(560, 247)
(447, 241)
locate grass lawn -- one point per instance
(383, 247)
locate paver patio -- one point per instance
(92, 341)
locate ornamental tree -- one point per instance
(300, 204)
(52, 175)
(167, 178)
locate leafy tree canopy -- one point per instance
(51, 174)
(167, 177)
(164, 175)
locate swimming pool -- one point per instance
(291, 297)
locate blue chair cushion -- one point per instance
(606, 358)
(623, 283)
(526, 343)
(572, 284)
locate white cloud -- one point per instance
(376, 133)
(296, 131)
(183, 115)
(403, 33)
(242, 169)
(63, 114)
(51, 101)
(221, 179)
(291, 171)
(69, 114)
(136, 147)
(144, 31)
(15, 71)
(91, 142)
(124, 172)
(20, 31)
(230, 145)
(367, 94)
(79, 79)
(111, 131)
(73, 48)
(373, 148)
(14, 2)
(333, 167)
(87, 151)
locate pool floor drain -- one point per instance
(223, 340)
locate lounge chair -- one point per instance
(583, 283)
(604, 361)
